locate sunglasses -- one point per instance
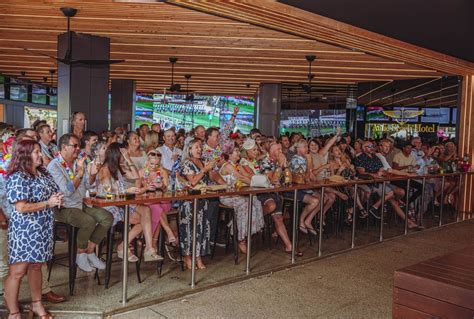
(370, 146)
(74, 145)
(154, 154)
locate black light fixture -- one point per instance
(174, 87)
(189, 95)
(308, 87)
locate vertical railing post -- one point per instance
(407, 203)
(422, 204)
(321, 221)
(193, 261)
(354, 217)
(249, 234)
(295, 221)
(382, 209)
(125, 255)
(442, 201)
(458, 210)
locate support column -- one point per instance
(123, 104)
(466, 137)
(83, 87)
(269, 108)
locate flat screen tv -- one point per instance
(38, 94)
(439, 115)
(375, 114)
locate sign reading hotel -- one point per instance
(409, 128)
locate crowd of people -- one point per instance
(45, 179)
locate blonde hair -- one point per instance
(151, 141)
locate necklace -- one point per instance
(69, 171)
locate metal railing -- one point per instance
(251, 192)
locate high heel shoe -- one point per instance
(32, 314)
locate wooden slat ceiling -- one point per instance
(223, 55)
(435, 92)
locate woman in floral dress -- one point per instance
(33, 194)
(196, 173)
(231, 170)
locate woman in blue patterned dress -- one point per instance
(33, 194)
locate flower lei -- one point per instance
(147, 173)
(66, 167)
(5, 160)
(87, 160)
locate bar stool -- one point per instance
(229, 216)
(110, 251)
(161, 244)
(72, 251)
(288, 202)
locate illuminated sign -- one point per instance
(409, 128)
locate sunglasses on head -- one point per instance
(154, 154)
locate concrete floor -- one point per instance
(357, 284)
(354, 284)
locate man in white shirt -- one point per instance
(406, 162)
(169, 152)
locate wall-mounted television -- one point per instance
(18, 92)
(439, 115)
(38, 94)
(454, 116)
(375, 114)
(312, 122)
(179, 112)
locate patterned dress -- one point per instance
(30, 235)
(240, 205)
(203, 231)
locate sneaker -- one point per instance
(374, 212)
(95, 262)
(83, 263)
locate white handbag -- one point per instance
(260, 180)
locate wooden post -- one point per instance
(466, 138)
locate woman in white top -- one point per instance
(321, 167)
(137, 155)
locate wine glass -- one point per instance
(108, 190)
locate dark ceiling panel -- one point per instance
(439, 25)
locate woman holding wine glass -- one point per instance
(117, 166)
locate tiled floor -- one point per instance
(92, 300)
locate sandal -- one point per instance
(131, 257)
(363, 213)
(303, 229)
(151, 255)
(172, 241)
(31, 313)
(297, 253)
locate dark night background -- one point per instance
(446, 26)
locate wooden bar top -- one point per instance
(158, 197)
